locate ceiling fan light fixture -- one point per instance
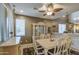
(21, 11)
(49, 13)
(48, 9)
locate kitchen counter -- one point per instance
(10, 47)
(11, 42)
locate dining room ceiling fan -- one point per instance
(48, 9)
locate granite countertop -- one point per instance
(12, 41)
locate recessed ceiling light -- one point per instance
(64, 16)
(21, 11)
(78, 18)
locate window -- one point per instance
(20, 27)
(62, 28)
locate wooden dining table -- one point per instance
(47, 44)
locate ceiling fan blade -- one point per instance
(44, 14)
(53, 14)
(50, 5)
(35, 8)
(58, 9)
(41, 10)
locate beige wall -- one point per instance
(61, 20)
(29, 21)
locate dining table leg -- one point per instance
(45, 50)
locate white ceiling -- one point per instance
(29, 11)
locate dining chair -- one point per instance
(69, 42)
(66, 45)
(38, 49)
(61, 48)
(42, 36)
(55, 50)
(59, 44)
(48, 36)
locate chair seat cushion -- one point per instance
(40, 50)
(51, 50)
(39, 47)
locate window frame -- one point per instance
(24, 26)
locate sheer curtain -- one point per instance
(2, 18)
(0, 32)
(6, 23)
(9, 24)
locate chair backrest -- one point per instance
(59, 45)
(48, 36)
(34, 40)
(65, 45)
(69, 42)
(42, 36)
(55, 48)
